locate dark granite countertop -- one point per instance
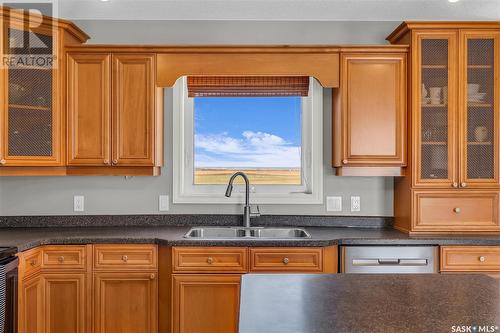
(368, 303)
(26, 238)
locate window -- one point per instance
(272, 133)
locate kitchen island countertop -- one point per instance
(278, 303)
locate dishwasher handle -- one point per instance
(393, 262)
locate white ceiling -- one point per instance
(276, 10)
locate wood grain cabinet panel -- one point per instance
(30, 262)
(66, 257)
(125, 257)
(456, 211)
(31, 309)
(207, 303)
(125, 302)
(286, 260)
(89, 107)
(210, 259)
(134, 109)
(64, 306)
(370, 112)
(470, 258)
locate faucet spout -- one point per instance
(229, 190)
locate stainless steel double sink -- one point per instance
(232, 233)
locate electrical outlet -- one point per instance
(355, 204)
(78, 203)
(163, 203)
(334, 204)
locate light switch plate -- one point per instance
(334, 204)
(355, 204)
(163, 203)
(78, 203)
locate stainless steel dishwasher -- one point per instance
(390, 259)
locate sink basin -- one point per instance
(231, 233)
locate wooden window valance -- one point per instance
(247, 86)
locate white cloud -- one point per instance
(252, 150)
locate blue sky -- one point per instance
(252, 132)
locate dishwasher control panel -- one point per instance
(390, 259)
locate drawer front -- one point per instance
(63, 257)
(30, 261)
(212, 259)
(285, 260)
(453, 211)
(125, 257)
(470, 258)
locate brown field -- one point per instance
(207, 176)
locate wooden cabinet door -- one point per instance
(31, 308)
(89, 105)
(434, 105)
(479, 108)
(133, 109)
(207, 303)
(125, 302)
(65, 299)
(373, 110)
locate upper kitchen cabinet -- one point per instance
(454, 116)
(32, 114)
(369, 112)
(115, 114)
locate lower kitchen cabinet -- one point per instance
(471, 259)
(207, 303)
(31, 318)
(64, 303)
(125, 302)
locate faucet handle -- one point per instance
(255, 214)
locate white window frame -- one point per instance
(310, 192)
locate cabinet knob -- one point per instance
(115, 162)
(463, 184)
(152, 276)
(457, 210)
(106, 162)
(482, 258)
(125, 258)
(286, 260)
(344, 161)
(61, 259)
(454, 185)
(210, 260)
(2, 161)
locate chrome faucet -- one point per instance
(247, 213)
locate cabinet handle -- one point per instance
(482, 258)
(61, 259)
(125, 258)
(115, 162)
(2, 161)
(210, 260)
(463, 184)
(152, 276)
(286, 260)
(344, 161)
(106, 162)
(454, 185)
(457, 210)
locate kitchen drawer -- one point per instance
(210, 259)
(63, 257)
(286, 260)
(456, 211)
(125, 257)
(30, 261)
(470, 258)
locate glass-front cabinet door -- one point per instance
(479, 108)
(435, 77)
(30, 120)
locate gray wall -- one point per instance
(139, 195)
